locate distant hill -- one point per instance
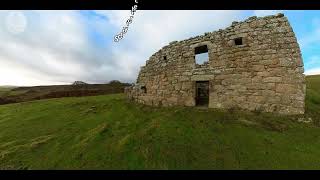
(79, 83)
(78, 88)
(7, 86)
(5, 89)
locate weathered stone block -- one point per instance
(272, 79)
(202, 77)
(258, 68)
(285, 88)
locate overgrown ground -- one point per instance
(107, 132)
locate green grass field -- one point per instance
(107, 132)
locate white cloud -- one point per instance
(151, 30)
(55, 46)
(314, 71)
(261, 13)
(158, 28)
(50, 50)
(16, 22)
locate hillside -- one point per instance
(22, 94)
(5, 89)
(107, 132)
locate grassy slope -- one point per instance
(4, 90)
(313, 97)
(106, 132)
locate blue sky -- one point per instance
(306, 25)
(59, 47)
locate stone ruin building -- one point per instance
(253, 65)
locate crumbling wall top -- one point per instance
(235, 26)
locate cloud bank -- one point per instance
(59, 47)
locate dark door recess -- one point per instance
(202, 93)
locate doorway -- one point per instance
(202, 93)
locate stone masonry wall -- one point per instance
(265, 73)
